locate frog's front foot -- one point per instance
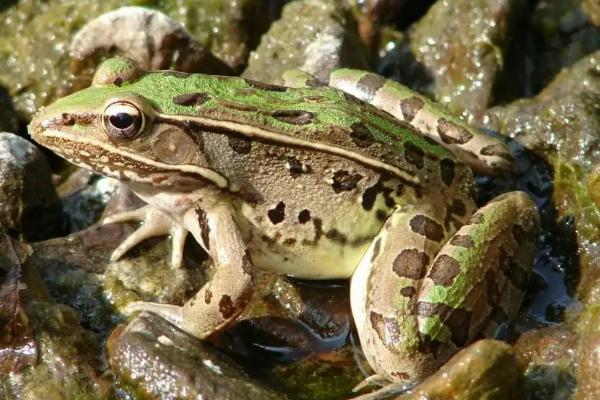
(154, 223)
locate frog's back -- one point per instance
(322, 119)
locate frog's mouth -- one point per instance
(115, 162)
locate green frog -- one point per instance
(358, 178)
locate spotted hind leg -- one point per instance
(420, 305)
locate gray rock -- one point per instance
(460, 45)
(29, 204)
(313, 36)
(163, 362)
(149, 37)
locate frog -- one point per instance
(355, 178)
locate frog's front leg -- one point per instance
(154, 223)
(414, 310)
(219, 301)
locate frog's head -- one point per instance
(114, 128)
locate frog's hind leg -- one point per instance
(443, 302)
(384, 291)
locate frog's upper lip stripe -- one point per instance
(205, 173)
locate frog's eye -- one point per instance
(123, 120)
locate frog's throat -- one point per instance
(204, 173)
(230, 127)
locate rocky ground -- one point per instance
(528, 70)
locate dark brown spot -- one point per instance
(240, 144)
(370, 195)
(408, 291)
(304, 216)
(411, 263)
(118, 81)
(294, 166)
(476, 219)
(497, 150)
(400, 375)
(207, 296)
(457, 319)
(289, 242)
(410, 107)
(67, 119)
(247, 263)
(447, 171)
(226, 307)
(336, 236)
(266, 86)
(376, 249)
(451, 133)
(381, 215)
(294, 117)
(414, 155)
(427, 227)
(444, 270)
(344, 181)
(361, 136)
(369, 84)
(386, 328)
(277, 214)
(458, 208)
(191, 99)
(462, 241)
(204, 227)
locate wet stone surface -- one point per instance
(160, 361)
(29, 205)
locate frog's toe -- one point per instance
(386, 389)
(138, 214)
(169, 312)
(154, 223)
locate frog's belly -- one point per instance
(329, 246)
(327, 261)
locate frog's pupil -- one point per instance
(121, 120)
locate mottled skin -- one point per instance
(310, 182)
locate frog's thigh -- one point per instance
(491, 256)
(219, 301)
(384, 291)
(406, 330)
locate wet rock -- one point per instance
(563, 33)
(149, 37)
(29, 205)
(459, 48)
(588, 384)
(551, 357)
(561, 125)
(79, 273)
(486, 369)
(312, 35)
(84, 196)
(163, 362)
(67, 357)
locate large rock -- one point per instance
(29, 205)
